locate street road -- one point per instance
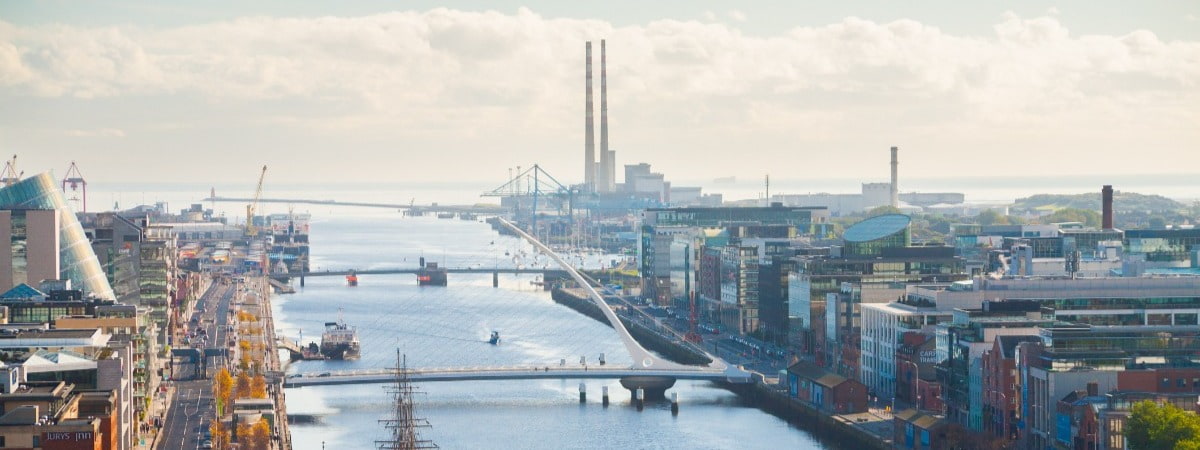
(192, 405)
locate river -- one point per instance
(449, 326)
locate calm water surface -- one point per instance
(443, 327)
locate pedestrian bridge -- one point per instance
(731, 375)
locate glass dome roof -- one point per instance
(876, 227)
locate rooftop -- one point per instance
(876, 227)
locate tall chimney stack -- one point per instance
(589, 144)
(895, 178)
(605, 175)
(1106, 198)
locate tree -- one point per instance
(220, 436)
(243, 385)
(1154, 427)
(222, 389)
(260, 435)
(991, 217)
(1088, 217)
(883, 210)
(258, 387)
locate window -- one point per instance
(1180, 382)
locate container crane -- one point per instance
(251, 230)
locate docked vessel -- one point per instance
(352, 279)
(340, 341)
(430, 274)
(495, 339)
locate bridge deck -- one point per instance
(517, 373)
(415, 271)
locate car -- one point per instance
(324, 374)
(206, 444)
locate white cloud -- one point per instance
(675, 87)
(737, 16)
(99, 132)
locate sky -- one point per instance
(423, 91)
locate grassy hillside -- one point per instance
(1122, 201)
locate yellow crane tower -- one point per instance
(251, 230)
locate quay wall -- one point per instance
(827, 429)
(648, 338)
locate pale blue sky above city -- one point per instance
(428, 90)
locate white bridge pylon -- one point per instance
(642, 358)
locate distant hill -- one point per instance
(1122, 201)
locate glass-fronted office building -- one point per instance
(870, 237)
(77, 261)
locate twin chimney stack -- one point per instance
(589, 143)
(598, 176)
(1106, 198)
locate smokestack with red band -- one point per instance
(1106, 197)
(604, 175)
(589, 144)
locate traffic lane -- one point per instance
(179, 417)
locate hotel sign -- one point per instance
(67, 436)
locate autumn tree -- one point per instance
(220, 436)
(243, 385)
(1153, 427)
(258, 387)
(260, 435)
(222, 389)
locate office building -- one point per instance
(38, 198)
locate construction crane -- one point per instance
(74, 180)
(9, 176)
(251, 230)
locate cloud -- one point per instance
(100, 132)
(675, 86)
(737, 15)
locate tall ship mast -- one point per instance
(404, 424)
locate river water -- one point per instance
(448, 327)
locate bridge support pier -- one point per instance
(495, 279)
(655, 388)
(582, 393)
(604, 396)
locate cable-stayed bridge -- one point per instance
(646, 371)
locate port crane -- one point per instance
(251, 230)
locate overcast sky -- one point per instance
(324, 91)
